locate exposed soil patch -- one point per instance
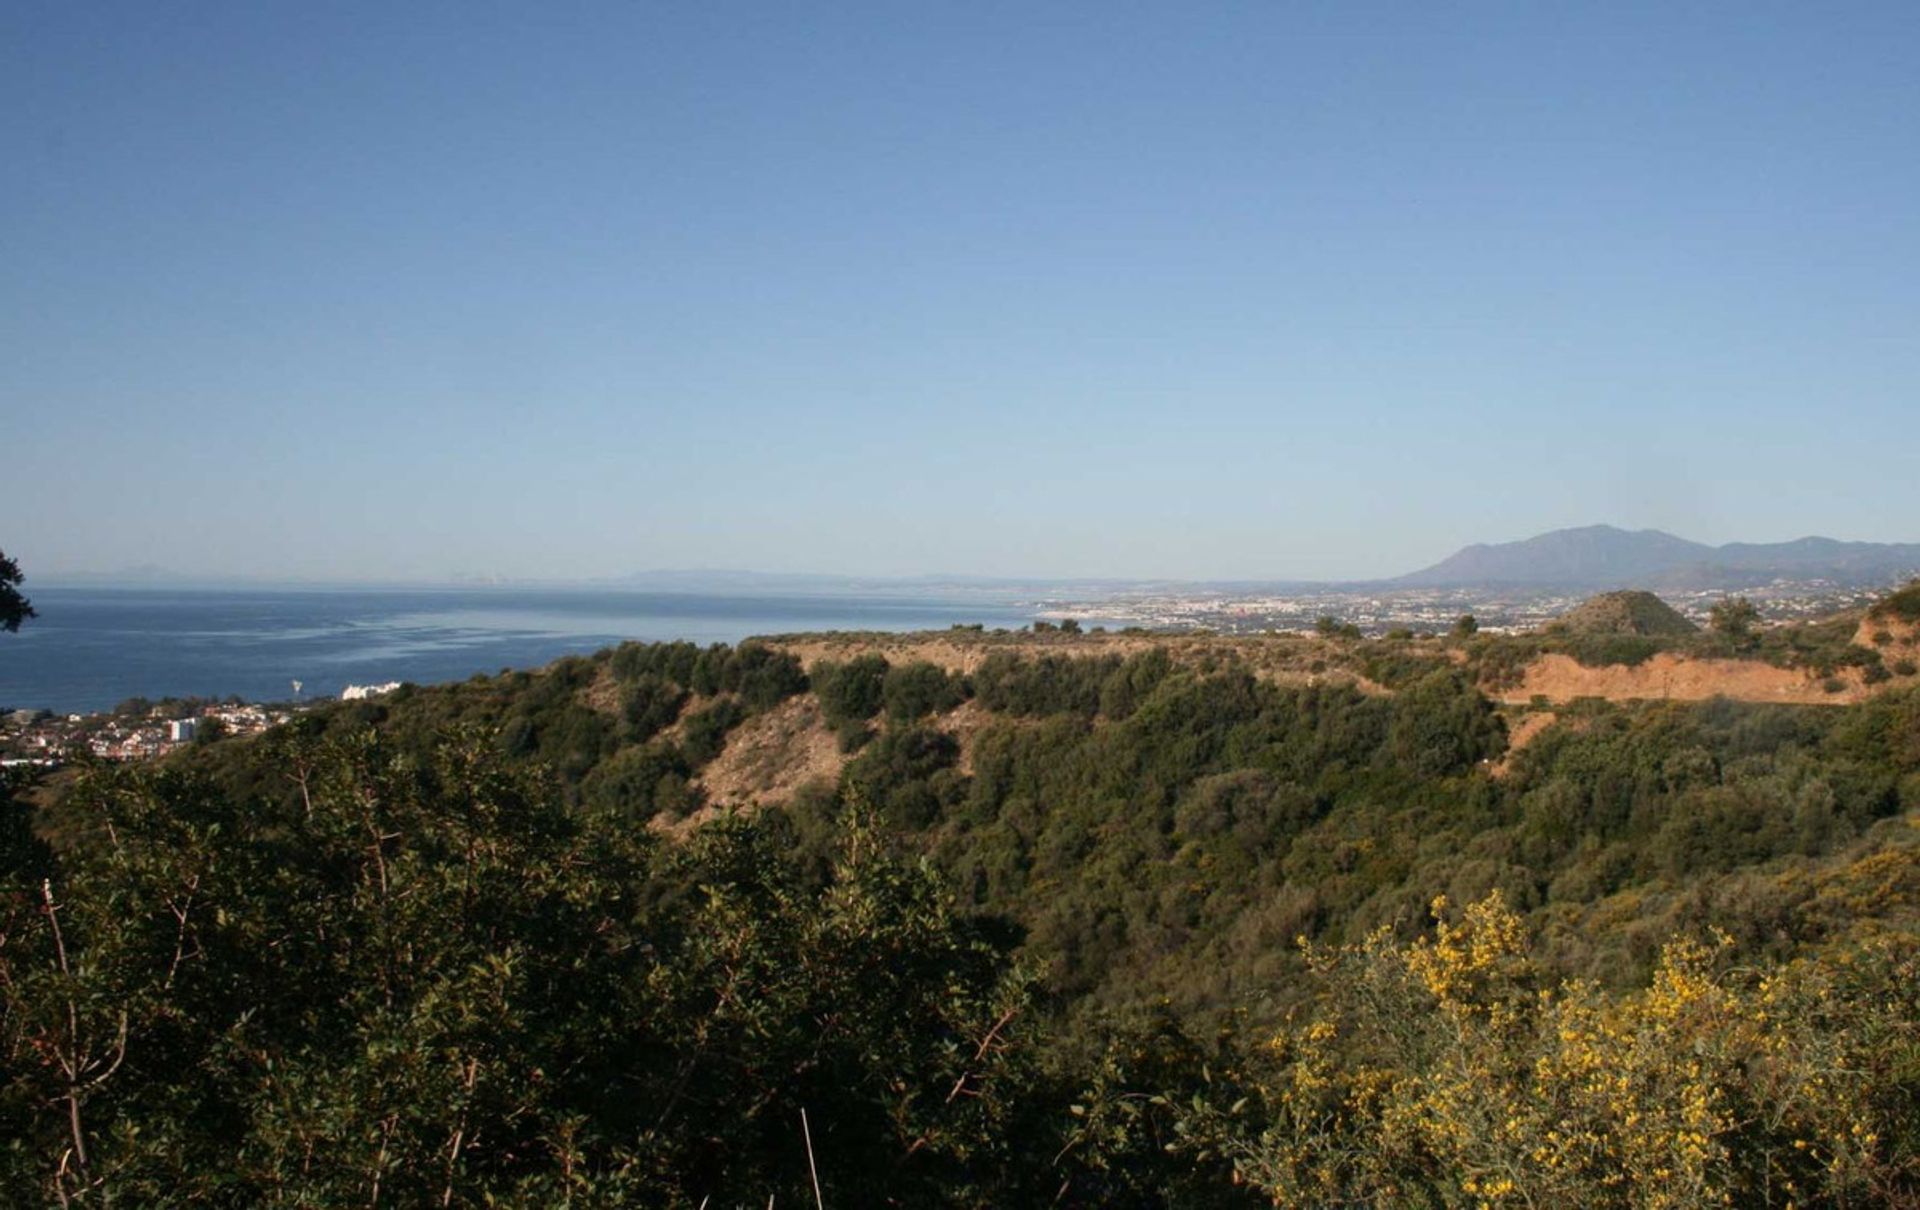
(603, 694)
(1670, 677)
(964, 723)
(1522, 731)
(1893, 637)
(676, 730)
(770, 756)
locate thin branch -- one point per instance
(811, 1170)
(69, 1059)
(180, 913)
(119, 1056)
(960, 1085)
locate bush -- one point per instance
(1734, 618)
(672, 661)
(705, 732)
(1709, 1087)
(762, 676)
(908, 776)
(850, 692)
(1329, 627)
(648, 704)
(852, 735)
(1442, 726)
(1904, 604)
(1053, 684)
(1606, 650)
(628, 784)
(913, 691)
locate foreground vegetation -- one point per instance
(1150, 932)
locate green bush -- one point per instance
(705, 731)
(648, 704)
(1903, 604)
(850, 692)
(913, 691)
(1605, 650)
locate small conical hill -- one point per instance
(1639, 613)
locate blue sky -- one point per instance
(552, 290)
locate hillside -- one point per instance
(1601, 556)
(982, 919)
(1628, 612)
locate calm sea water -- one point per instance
(92, 648)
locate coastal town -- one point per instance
(141, 730)
(1422, 610)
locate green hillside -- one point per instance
(1628, 613)
(1074, 928)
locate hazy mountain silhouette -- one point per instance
(1602, 556)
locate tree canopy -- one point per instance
(14, 608)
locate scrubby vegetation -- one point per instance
(1146, 931)
(1904, 604)
(1631, 628)
(1626, 613)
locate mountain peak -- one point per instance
(1606, 556)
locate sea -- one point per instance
(93, 648)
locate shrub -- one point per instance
(852, 734)
(705, 732)
(1453, 1066)
(850, 692)
(915, 690)
(648, 703)
(1904, 604)
(628, 784)
(1604, 650)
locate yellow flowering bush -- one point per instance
(1446, 1073)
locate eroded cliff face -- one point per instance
(1667, 676)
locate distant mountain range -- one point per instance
(1593, 557)
(1601, 556)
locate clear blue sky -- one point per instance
(402, 290)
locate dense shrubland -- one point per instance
(1159, 932)
(1824, 647)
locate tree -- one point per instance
(14, 608)
(1733, 617)
(853, 691)
(1330, 627)
(1465, 626)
